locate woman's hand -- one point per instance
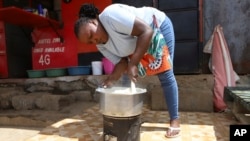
(109, 81)
(119, 69)
(132, 72)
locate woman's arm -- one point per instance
(119, 69)
(144, 33)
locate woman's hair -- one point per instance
(88, 10)
(86, 13)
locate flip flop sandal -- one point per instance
(173, 129)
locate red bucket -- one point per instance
(108, 66)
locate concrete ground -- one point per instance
(83, 122)
(22, 125)
(10, 133)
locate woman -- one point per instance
(123, 34)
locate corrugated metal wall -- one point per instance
(234, 17)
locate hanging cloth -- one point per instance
(221, 67)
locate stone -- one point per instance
(24, 102)
(54, 102)
(39, 87)
(70, 86)
(82, 95)
(6, 96)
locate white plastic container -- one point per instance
(97, 67)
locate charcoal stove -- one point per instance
(121, 128)
(121, 111)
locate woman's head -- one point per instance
(87, 28)
(88, 10)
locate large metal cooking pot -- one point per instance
(121, 101)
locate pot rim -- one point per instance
(120, 90)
